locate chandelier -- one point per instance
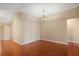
(43, 16)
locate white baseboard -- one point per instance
(56, 41)
(22, 43)
(74, 42)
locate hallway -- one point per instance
(41, 29)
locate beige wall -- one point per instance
(5, 33)
(73, 29)
(1, 32)
(25, 28)
(54, 27)
(54, 30)
(31, 30)
(17, 28)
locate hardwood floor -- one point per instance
(31, 49)
(38, 48)
(73, 49)
(53, 49)
(10, 48)
(0, 47)
(44, 48)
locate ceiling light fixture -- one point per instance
(43, 14)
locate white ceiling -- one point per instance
(7, 10)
